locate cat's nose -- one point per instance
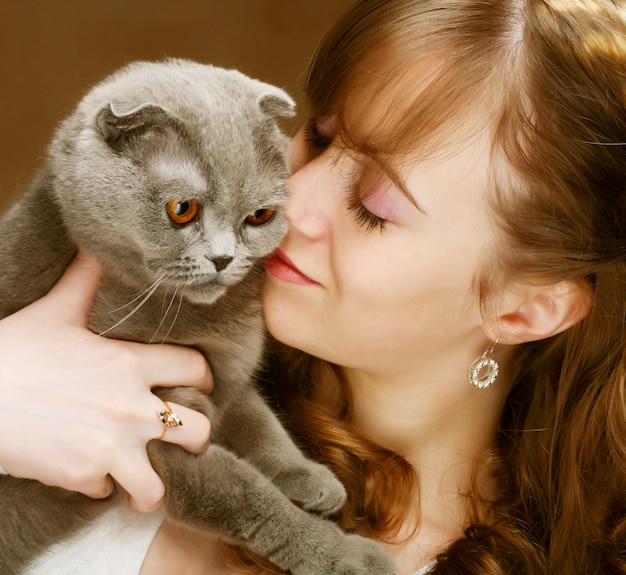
(221, 262)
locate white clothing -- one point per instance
(115, 543)
(426, 569)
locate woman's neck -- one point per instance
(435, 420)
(444, 427)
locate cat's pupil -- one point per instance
(182, 212)
(260, 216)
(181, 208)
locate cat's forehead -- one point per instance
(187, 89)
(234, 185)
(167, 168)
(191, 128)
(213, 108)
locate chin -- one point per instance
(205, 296)
(283, 325)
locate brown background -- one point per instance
(52, 51)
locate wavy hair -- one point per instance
(547, 78)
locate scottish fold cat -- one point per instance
(173, 175)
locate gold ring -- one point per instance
(168, 419)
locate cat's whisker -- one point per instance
(149, 293)
(139, 296)
(167, 311)
(180, 303)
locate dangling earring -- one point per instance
(483, 370)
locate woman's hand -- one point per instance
(76, 409)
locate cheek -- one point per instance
(386, 284)
(374, 284)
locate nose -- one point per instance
(221, 262)
(310, 197)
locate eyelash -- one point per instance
(362, 215)
(314, 138)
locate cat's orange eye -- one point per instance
(182, 212)
(260, 217)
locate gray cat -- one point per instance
(173, 175)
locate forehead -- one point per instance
(414, 112)
(167, 168)
(421, 144)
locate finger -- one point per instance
(75, 291)
(98, 489)
(193, 434)
(148, 502)
(172, 365)
(137, 477)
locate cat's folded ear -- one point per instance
(277, 104)
(118, 129)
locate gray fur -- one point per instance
(151, 133)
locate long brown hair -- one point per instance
(548, 79)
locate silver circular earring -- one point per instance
(483, 371)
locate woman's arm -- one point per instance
(76, 409)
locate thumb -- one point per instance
(75, 291)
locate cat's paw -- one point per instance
(313, 487)
(353, 555)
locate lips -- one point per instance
(281, 267)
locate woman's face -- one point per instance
(365, 278)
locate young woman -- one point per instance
(454, 279)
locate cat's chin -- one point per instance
(205, 296)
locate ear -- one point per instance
(539, 313)
(277, 104)
(117, 129)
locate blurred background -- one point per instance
(54, 50)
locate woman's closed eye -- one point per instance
(375, 200)
(363, 216)
(317, 139)
(368, 198)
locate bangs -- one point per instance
(415, 85)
